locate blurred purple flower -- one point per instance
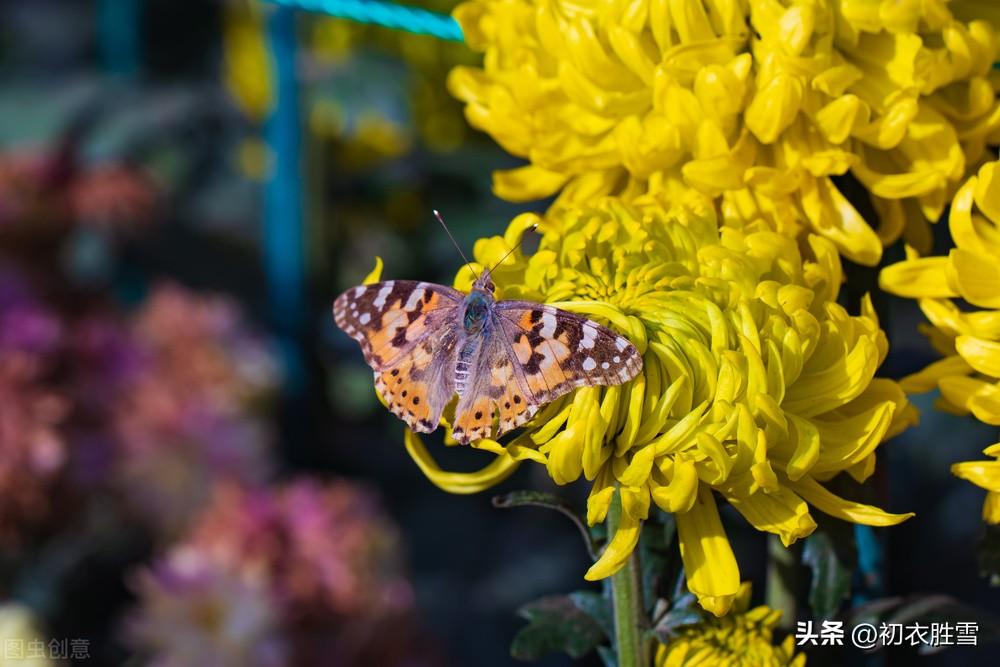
(26, 327)
(32, 450)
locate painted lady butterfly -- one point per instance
(504, 359)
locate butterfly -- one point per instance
(504, 359)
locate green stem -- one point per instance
(782, 580)
(626, 594)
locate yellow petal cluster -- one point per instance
(756, 387)
(969, 339)
(984, 474)
(744, 638)
(758, 103)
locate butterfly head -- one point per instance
(484, 283)
(478, 304)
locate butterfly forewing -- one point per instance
(390, 318)
(559, 351)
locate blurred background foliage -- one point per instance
(162, 434)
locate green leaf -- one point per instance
(660, 559)
(830, 553)
(555, 624)
(550, 501)
(598, 607)
(674, 620)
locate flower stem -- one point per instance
(626, 594)
(782, 580)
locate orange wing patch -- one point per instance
(413, 389)
(400, 326)
(474, 422)
(389, 318)
(502, 396)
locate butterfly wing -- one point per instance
(494, 387)
(532, 355)
(558, 351)
(420, 383)
(407, 331)
(389, 319)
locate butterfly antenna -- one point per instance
(508, 253)
(457, 247)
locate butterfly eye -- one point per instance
(490, 287)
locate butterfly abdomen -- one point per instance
(461, 376)
(463, 366)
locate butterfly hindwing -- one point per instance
(495, 390)
(417, 387)
(559, 351)
(390, 318)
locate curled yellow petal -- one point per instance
(618, 550)
(498, 470)
(376, 273)
(712, 573)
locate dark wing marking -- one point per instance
(390, 318)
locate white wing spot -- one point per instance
(383, 294)
(617, 359)
(621, 344)
(589, 364)
(605, 365)
(358, 291)
(589, 337)
(415, 297)
(365, 319)
(548, 325)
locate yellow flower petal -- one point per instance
(918, 278)
(975, 277)
(498, 470)
(782, 513)
(712, 573)
(618, 550)
(376, 273)
(982, 355)
(829, 503)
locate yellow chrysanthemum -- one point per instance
(756, 102)
(984, 474)
(756, 384)
(969, 375)
(742, 638)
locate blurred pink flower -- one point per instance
(203, 345)
(184, 415)
(196, 612)
(49, 190)
(325, 548)
(319, 556)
